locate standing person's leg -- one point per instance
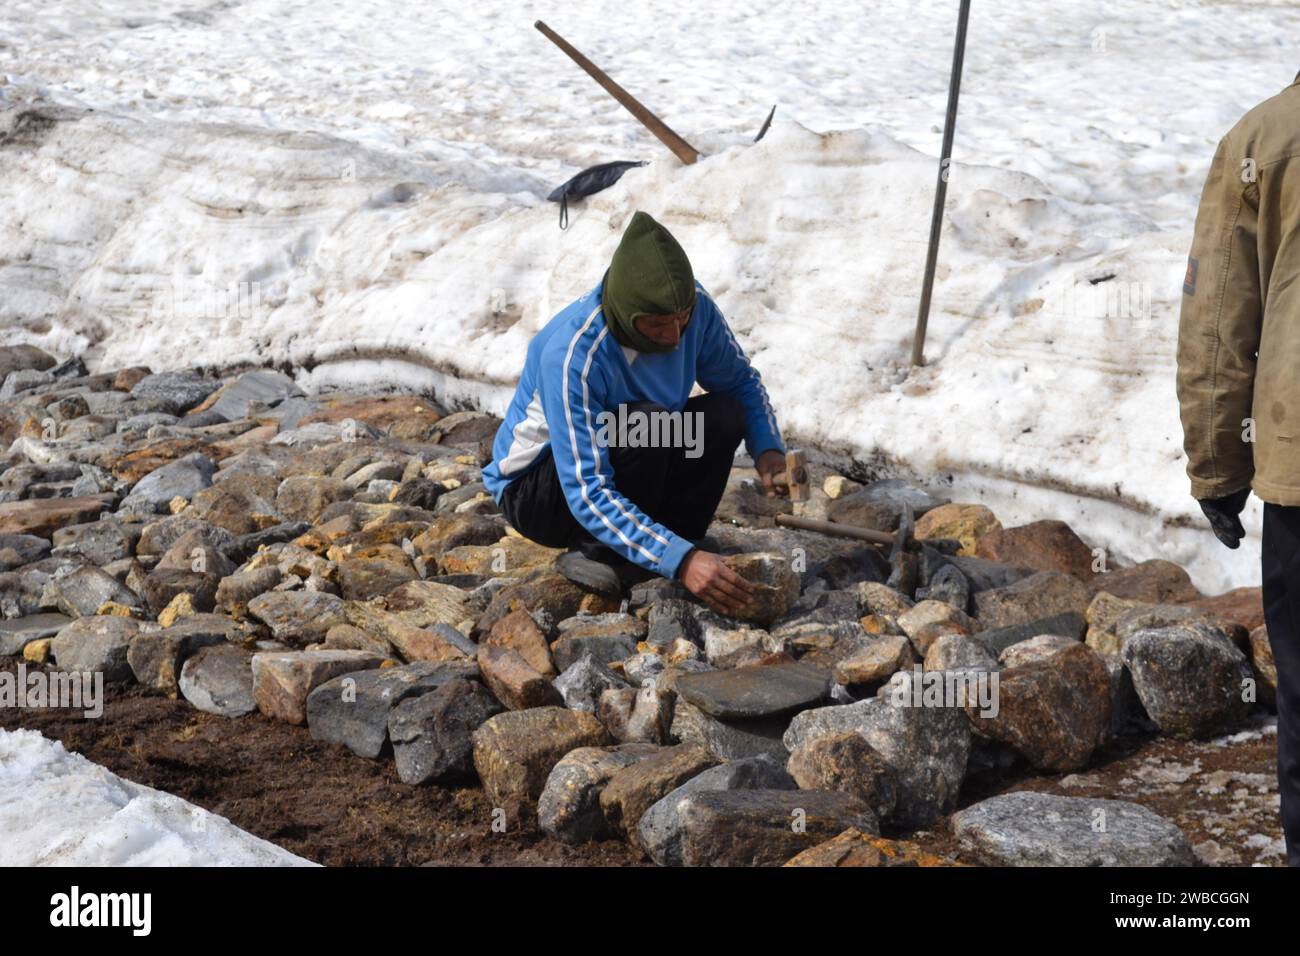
(1281, 585)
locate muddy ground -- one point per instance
(326, 804)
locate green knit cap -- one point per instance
(649, 275)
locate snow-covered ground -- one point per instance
(59, 809)
(358, 187)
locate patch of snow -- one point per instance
(59, 809)
(358, 187)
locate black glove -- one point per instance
(1223, 513)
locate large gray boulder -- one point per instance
(659, 832)
(1041, 829)
(1190, 678)
(927, 746)
(182, 478)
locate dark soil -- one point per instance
(1223, 796)
(317, 800)
(324, 803)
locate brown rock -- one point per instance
(304, 497)
(518, 632)
(1041, 545)
(776, 586)
(1261, 659)
(234, 592)
(855, 848)
(1152, 581)
(548, 596)
(513, 682)
(1103, 616)
(241, 504)
(127, 378)
(134, 465)
(876, 661)
(156, 657)
(418, 644)
(1030, 599)
(515, 751)
(298, 617)
(508, 557)
(366, 578)
(930, 620)
(883, 601)
(1243, 606)
(632, 790)
(1053, 711)
(346, 637)
(755, 827)
(448, 532)
(282, 681)
(416, 415)
(636, 716)
(964, 523)
(845, 762)
(43, 516)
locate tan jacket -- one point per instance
(1239, 332)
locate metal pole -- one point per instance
(941, 187)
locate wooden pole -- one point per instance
(839, 530)
(683, 150)
(941, 187)
(796, 473)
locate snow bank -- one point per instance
(59, 809)
(252, 188)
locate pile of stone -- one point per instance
(334, 561)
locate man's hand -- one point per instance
(719, 587)
(771, 468)
(1223, 514)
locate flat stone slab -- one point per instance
(298, 616)
(16, 633)
(43, 516)
(764, 827)
(745, 693)
(1041, 829)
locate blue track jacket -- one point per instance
(574, 371)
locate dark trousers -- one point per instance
(680, 493)
(1281, 578)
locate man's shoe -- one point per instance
(589, 574)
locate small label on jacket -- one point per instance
(1189, 280)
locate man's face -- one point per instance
(664, 330)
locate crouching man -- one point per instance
(580, 461)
